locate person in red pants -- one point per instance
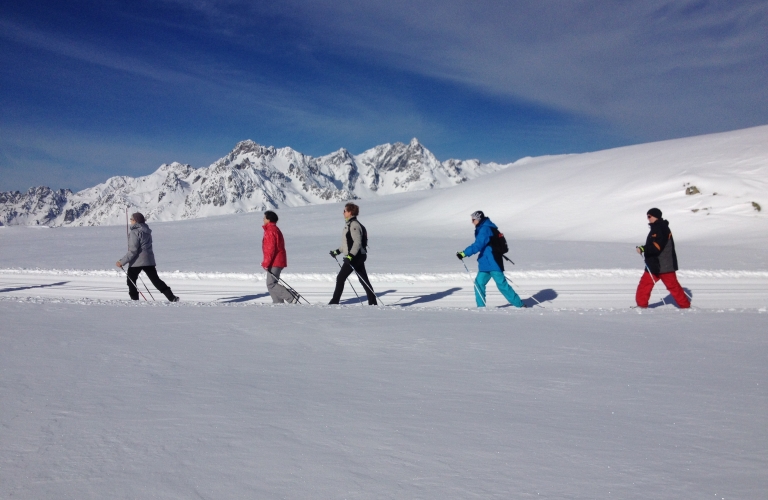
(660, 262)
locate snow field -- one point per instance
(119, 400)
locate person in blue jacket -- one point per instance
(488, 265)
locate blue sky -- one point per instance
(94, 89)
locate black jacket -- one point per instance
(660, 256)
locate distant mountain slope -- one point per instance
(713, 188)
(250, 178)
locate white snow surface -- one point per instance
(225, 395)
(107, 399)
(599, 196)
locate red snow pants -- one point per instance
(669, 280)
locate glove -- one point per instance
(348, 257)
(460, 255)
(642, 249)
(334, 253)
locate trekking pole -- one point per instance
(291, 290)
(510, 280)
(366, 284)
(651, 275)
(518, 287)
(474, 283)
(134, 284)
(350, 283)
(145, 287)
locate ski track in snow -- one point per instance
(584, 289)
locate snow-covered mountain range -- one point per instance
(250, 178)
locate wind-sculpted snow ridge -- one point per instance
(250, 178)
(403, 277)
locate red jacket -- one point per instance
(273, 247)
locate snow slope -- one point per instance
(601, 196)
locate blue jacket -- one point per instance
(483, 233)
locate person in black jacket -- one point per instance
(354, 242)
(660, 262)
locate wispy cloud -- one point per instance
(657, 67)
(86, 52)
(652, 65)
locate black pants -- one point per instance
(357, 264)
(151, 272)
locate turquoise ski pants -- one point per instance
(483, 277)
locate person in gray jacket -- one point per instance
(354, 241)
(140, 257)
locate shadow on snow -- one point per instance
(364, 298)
(244, 298)
(60, 283)
(670, 300)
(546, 295)
(431, 297)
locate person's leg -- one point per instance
(151, 272)
(271, 283)
(506, 289)
(481, 280)
(277, 291)
(675, 289)
(644, 289)
(344, 273)
(359, 265)
(133, 273)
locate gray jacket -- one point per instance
(354, 243)
(140, 252)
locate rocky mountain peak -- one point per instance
(251, 177)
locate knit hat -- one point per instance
(479, 215)
(655, 212)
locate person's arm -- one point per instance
(269, 248)
(481, 241)
(656, 242)
(357, 238)
(134, 247)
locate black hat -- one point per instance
(479, 215)
(655, 212)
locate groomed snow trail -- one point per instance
(583, 288)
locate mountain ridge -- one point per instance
(251, 177)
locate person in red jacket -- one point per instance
(275, 259)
